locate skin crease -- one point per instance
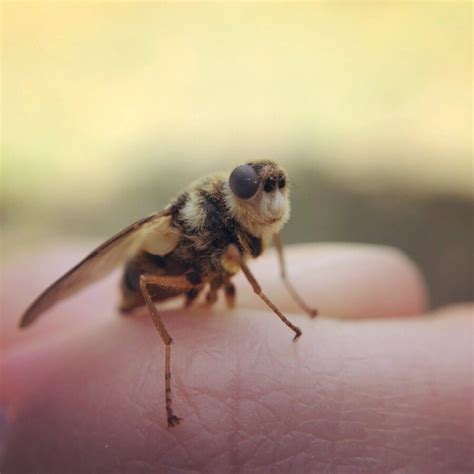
(83, 389)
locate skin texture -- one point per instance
(83, 389)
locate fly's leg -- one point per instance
(234, 254)
(191, 296)
(169, 282)
(214, 286)
(229, 291)
(312, 312)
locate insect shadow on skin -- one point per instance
(199, 241)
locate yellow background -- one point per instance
(108, 109)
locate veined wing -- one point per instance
(153, 233)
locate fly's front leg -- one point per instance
(168, 282)
(312, 312)
(233, 254)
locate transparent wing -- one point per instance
(153, 233)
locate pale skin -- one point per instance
(181, 282)
(84, 387)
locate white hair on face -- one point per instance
(267, 217)
(273, 206)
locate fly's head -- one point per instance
(258, 196)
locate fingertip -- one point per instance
(344, 281)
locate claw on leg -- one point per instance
(173, 420)
(298, 334)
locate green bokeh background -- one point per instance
(109, 109)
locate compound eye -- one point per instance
(244, 181)
(281, 181)
(269, 185)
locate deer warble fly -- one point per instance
(200, 241)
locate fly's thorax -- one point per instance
(206, 229)
(201, 205)
(210, 217)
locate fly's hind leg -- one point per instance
(168, 282)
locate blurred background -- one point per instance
(109, 109)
